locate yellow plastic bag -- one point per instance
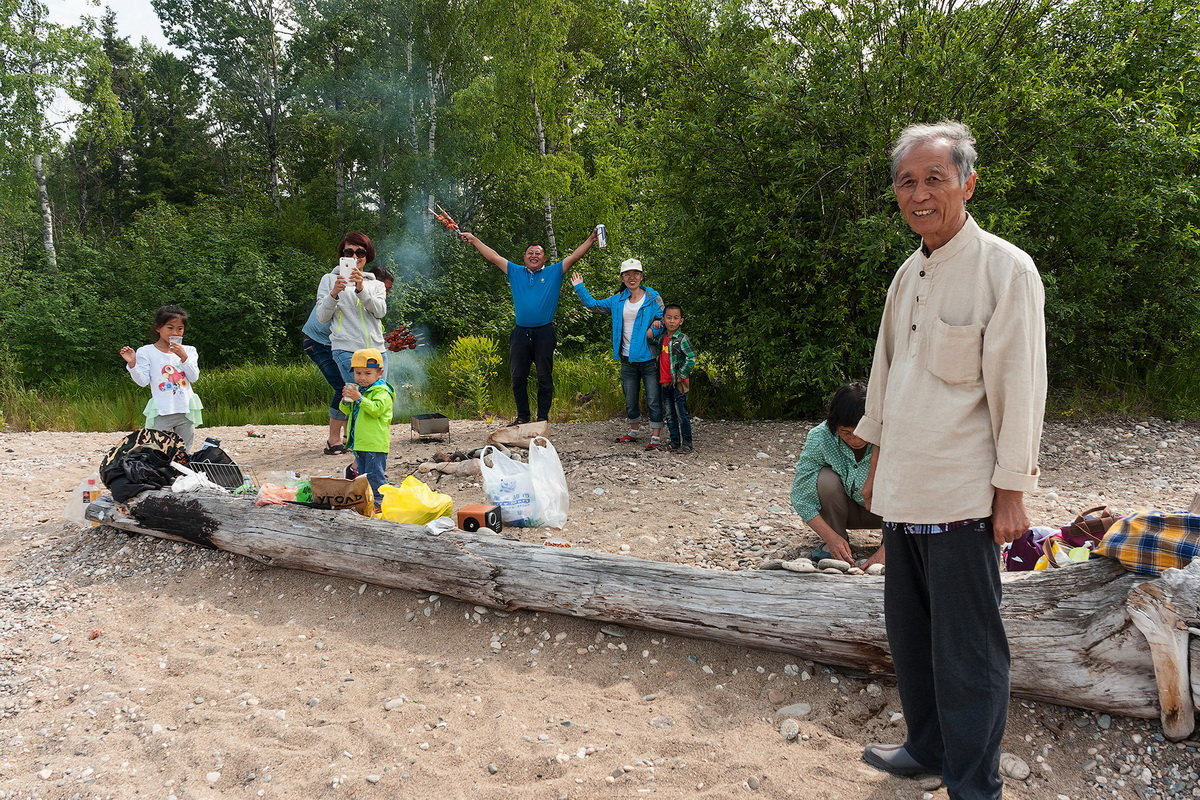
(414, 502)
(1057, 553)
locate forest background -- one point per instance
(739, 149)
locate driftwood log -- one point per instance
(1091, 635)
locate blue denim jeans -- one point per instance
(679, 421)
(374, 466)
(322, 356)
(635, 374)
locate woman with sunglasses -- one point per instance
(348, 316)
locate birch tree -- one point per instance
(240, 45)
(37, 60)
(528, 100)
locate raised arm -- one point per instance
(139, 368)
(585, 297)
(579, 252)
(491, 255)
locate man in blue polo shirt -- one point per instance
(535, 288)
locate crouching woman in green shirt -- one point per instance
(831, 475)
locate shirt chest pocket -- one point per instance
(956, 352)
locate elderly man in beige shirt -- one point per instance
(954, 405)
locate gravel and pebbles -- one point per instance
(134, 667)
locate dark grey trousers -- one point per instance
(942, 609)
(532, 347)
(838, 510)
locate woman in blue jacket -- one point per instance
(632, 309)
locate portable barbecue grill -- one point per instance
(424, 426)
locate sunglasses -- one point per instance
(354, 252)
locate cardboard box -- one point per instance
(342, 493)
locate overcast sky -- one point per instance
(135, 18)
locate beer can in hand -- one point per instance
(602, 235)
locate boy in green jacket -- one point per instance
(676, 357)
(367, 404)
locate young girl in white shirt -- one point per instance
(169, 368)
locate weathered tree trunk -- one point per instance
(1166, 612)
(47, 214)
(273, 158)
(339, 159)
(83, 171)
(413, 137)
(274, 107)
(1073, 642)
(548, 212)
(431, 98)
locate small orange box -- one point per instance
(472, 518)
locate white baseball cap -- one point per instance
(630, 264)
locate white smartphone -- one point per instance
(175, 339)
(345, 267)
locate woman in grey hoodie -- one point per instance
(354, 308)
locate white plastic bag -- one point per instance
(550, 497)
(191, 481)
(508, 484)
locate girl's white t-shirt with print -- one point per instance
(629, 315)
(170, 379)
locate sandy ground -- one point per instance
(134, 667)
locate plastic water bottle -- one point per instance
(74, 510)
(91, 493)
(87, 491)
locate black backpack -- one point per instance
(141, 462)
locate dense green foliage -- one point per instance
(739, 149)
(472, 367)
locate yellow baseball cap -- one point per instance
(370, 357)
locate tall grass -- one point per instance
(294, 393)
(1167, 390)
(587, 387)
(260, 394)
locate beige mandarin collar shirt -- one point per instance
(958, 383)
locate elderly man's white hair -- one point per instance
(954, 134)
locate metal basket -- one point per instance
(230, 476)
